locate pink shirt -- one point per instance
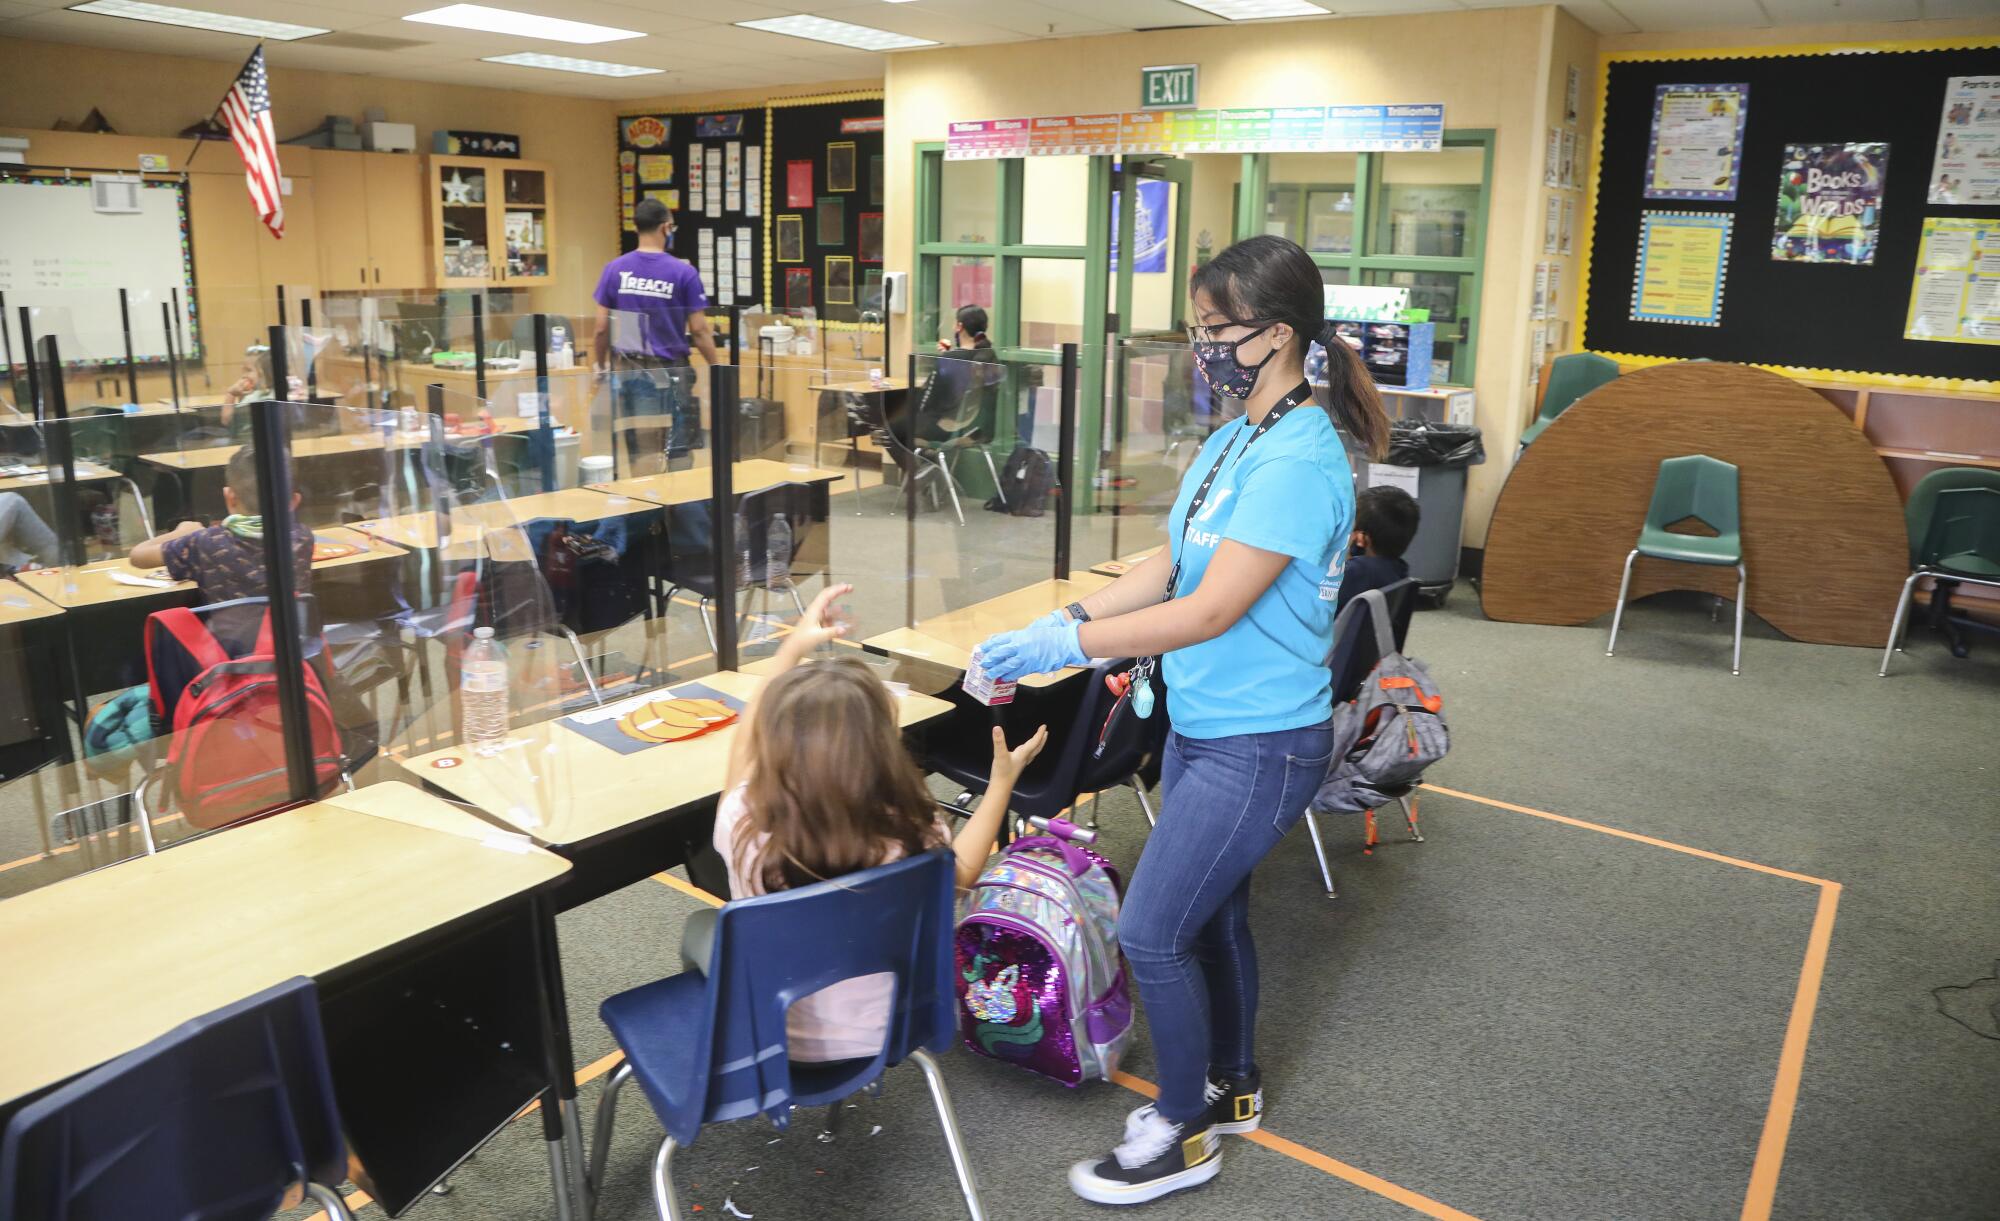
(844, 1021)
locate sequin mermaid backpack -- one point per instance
(1041, 981)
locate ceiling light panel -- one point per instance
(1256, 10)
(483, 20)
(839, 33)
(195, 19)
(563, 63)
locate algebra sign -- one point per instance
(645, 131)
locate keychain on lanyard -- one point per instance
(1142, 673)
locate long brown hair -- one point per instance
(829, 780)
(1267, 279)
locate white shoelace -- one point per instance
(1147, 1136)
(1212, 1092)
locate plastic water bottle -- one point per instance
(409, 419)
(558, 337)
(482, 693)
(778, 553)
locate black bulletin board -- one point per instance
(1807, 315)
(805, 133)
(683, 143)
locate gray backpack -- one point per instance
(1389, 732)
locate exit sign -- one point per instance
(1169, 87)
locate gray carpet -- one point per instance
(1518, 1019)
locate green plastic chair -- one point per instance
(1703, 488)
(1570, 378)
(1953, 517)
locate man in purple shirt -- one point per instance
(649, 310)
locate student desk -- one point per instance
(420, 530)
(948, 639)
(30, 635)
(89, 585)
(217, 456)
(86, 472)
(694, 485)
(889, 385)
(371, 907)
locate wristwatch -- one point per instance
(1075, 611)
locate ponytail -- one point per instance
(973, 319)
(1352, 396)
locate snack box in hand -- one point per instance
(983, 687)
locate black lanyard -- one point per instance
(1283, 407)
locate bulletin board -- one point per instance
(841, 138)
(1823, 317)
(657, 152)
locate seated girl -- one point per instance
(820, 786)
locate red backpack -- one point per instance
(226, 758)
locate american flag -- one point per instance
(246, 111)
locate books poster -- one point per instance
(711, 178)
(798, 288)
(1552, 159)
(1955, 295)
(718, 126)
(656, 167)
(1683, 261)
(798, 184)
(1552, 224)
(840, 170)
(1696, 149)
(753, 180)
(831, 213)
(791, 239)
(1830, 203)
(1966, 169)
(732, 177)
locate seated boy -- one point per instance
(1385, 520)
(227, 560)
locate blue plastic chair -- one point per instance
(708, 1049)
(212, 1121)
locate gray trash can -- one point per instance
(1439, 454)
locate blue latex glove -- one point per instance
(1054, 618)
(1039, 648)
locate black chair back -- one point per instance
(1354, 647)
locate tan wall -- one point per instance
(157, 95)
(1489, 68)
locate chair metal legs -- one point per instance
(664, 1198)
(1144, 803)
(583, 665)
(953, 1138)
(1618, 615)
(330, 1200)
(1319, 850)
(1736, 657)
(1409, 803)
(1897, 624)
(994, 471)
(600, 1135)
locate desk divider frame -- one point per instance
(270, 429)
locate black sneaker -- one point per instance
(1156, 1158)
(1236, 1104)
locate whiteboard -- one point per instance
(67, 261)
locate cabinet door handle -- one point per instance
(364, 275)
(378, 275)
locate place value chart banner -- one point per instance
(1275, 129)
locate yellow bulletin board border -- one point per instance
(1581, 276)
(772, 105)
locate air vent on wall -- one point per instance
(363, 42)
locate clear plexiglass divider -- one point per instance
(1158, 413)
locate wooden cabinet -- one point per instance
(371, 220)
(492, 222)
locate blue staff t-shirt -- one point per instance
(1292, 493)
(650, 293)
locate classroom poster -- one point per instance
(791, 239)
(744, 272)
(1552, 158)
(1696, 148)
(711, 181)
(1551, 224)
(1568, 176)
(732, 177)
(1966, 169)
(870, 250)
(798, 288)
(704, 261)
(840, 167)
(753, 180)
(1567, 245)
(1572, 90)
(725, 270)
(718, 126)
(1683, 260)
(831, 213)
(1955, 295)
(695, 193)
(670, 198)
(839, 280)
(656, 167)
(798, 184)
(1830, 203)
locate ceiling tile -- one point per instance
(1020, 16)
(1651, 15)
(1603, 17)
(1960, 8)
(1809, 12)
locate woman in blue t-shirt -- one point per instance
(1239, 608)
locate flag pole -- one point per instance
(202, 133)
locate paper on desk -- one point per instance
(125, 578)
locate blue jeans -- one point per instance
(1185, 925)
(667, 390)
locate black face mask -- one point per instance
(1223, 372)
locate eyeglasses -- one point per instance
(1207, 334)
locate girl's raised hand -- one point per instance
(1008, 764)
(823, 621)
